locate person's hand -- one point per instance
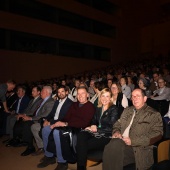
(12, 112)
(88, 128)
(46, 123)
(93, 128)
(26, 118)
(152, 97)
(20, 116)
(117, 135)
(7, 111)
(127, 140)
(58, 124)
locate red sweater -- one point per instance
(79, 117)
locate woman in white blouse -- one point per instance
(118, 98)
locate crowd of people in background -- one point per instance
(89, 102)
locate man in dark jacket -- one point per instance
(59, 110)
(24, 128)
(79, 116)
(29, 111)
(138, 128)
(19, 107)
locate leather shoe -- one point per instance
(6, 141)
(18, 144)
(12, 142)
(38, 152)
(28, 151)
(46, 161)
(61, 166)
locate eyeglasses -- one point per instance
(114, 88)
(161, 82)
(134, 97)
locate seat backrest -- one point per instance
(164, 150)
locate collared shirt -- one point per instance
(61, 102)
(161, 90)
(18, 106)
(42, 104)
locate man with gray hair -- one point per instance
(24, 128)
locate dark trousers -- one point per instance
(23, 130)
(117, 155)
(85, 143)
(3, 121)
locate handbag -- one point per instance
(68, 140)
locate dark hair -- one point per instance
(125, 78)
(99, 85)
(62, 87)
(118, 86)
(144, 81)
(37, 87)
(11, 81)
(22, 87)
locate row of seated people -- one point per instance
(79, 115)
(159, 100)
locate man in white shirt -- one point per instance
(57, 113)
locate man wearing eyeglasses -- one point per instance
(138, 128)
(163, 93)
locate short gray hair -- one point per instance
(49, 89)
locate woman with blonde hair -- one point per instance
(98, 134)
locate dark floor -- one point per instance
(10, 159)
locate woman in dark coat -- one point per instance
(96, 136)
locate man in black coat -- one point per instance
(59, 110)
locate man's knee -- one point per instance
(46, 130)
(35, 127)
(114, 144)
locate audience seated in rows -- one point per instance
(29, 111)
(134, 133)
(78, 116)
(57, 113)
(19, 106)
(119, 73)
(29, 108)
(98, 134)
(22, 129)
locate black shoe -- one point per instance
(6, 141)
(81, 167)
(28, 151)
(12, 142)
(62, 166)
(43, 158)
(38, 152)
(46, 161)
(19, 144)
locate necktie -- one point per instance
(18, 106)
(38, 108)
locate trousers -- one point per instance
(117, 155)
(35, 128)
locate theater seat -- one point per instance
(95, 157)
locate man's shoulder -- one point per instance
(50, 100)
(26, 98)
(68, 100)
(3, 86)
